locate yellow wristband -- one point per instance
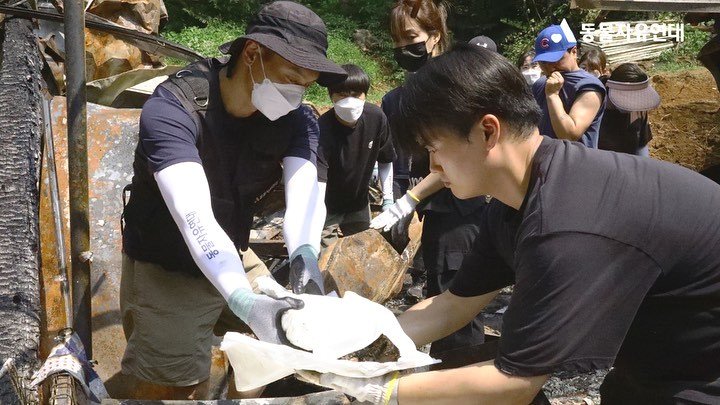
(413, 196)
(391, 387)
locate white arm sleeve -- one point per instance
(305, 204)
(385, 173)
(185, 190)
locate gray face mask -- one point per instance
(275, 100)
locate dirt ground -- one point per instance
(686, 126)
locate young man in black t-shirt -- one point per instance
(614, 258)
(353, 136)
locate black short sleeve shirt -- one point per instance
(615, 262)
(346, 157)
(169, 134)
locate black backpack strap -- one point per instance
(191, 85)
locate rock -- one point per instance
(366, 264)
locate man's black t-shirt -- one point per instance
(346, 157)
(616, 262)
(241, 158)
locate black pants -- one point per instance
(448, 234)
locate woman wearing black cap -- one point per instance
(213, 140)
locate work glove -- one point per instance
(305, 276)
(387, 203)
(262, 313)
(380, 390)
(403, 207)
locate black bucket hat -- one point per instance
(639, 96)
(294, 32)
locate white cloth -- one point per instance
(305, 204)
(333, 327)
(258, 363)
(185, 190)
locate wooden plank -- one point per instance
(707, 6)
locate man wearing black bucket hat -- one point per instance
(214, 138)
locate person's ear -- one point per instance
(250, 52)
(490, 127)
(432, 42)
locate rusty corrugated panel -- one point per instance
(112, 135)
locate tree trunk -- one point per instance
(20, 139)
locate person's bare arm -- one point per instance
(427, 186)
(480, 383)
(439, 316)
(570, 125)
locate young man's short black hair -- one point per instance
(454, 90)
(357, 81)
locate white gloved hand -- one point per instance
(374, 390)
(403, 207)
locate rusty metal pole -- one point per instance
(78, 169)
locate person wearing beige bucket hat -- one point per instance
(214, 139)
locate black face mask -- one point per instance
(411, 57)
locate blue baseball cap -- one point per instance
(551, 44)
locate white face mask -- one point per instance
(349, 109)
(531, 75)
(275, 100)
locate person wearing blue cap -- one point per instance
(572, 100)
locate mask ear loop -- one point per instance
(262, 66)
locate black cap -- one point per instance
(294, 32)
(484, 42)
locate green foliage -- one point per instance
(342, 50)
(532, 17)
(206, 40)
(204, 25)
(513, 24)
(200, 13)
(684, 55)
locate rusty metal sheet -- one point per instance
(107, 54)
(366, 264)
(112, 135)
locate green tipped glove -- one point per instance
(262, 313)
